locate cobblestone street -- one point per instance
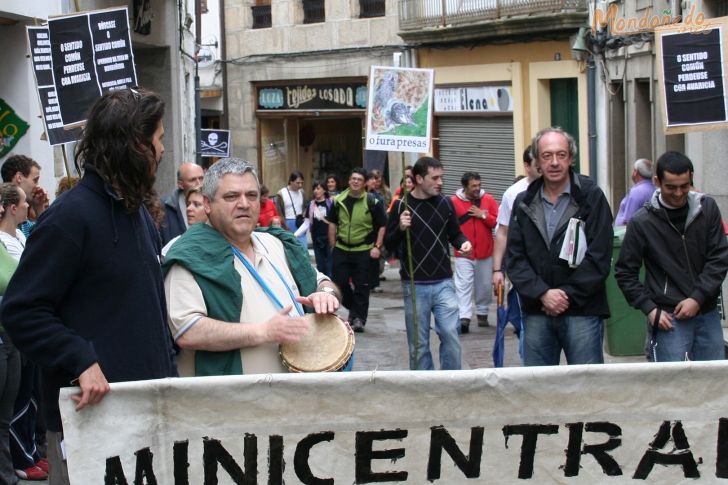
(383, 345)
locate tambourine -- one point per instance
(327, 346)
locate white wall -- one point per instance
(18, 91)
(30, 9)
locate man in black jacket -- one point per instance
(189, 176)
(87, 300)
(564, 302)
(680, 239)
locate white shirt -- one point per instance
(509, 196)
(296, 196)
(14, 245)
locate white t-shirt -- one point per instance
(14, 245)
(509, 196)
(296, 196)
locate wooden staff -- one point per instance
(410, 267)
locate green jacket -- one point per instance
(355, 231)
(206, 254)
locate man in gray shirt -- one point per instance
(563, 306)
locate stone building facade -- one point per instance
(295, 74)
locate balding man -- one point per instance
(189, 175)
(639, 194)
(563, 304)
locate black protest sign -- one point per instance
(215, 143)
(91, 54)
(74, 75)
(112, 48)
(57, 135)
(40, 57)
(693, 80)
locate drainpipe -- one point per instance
(198, 109)
(591, 88)
(225, 122)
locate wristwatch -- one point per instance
(329, 290)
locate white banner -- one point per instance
(663, 423)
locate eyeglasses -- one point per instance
(548, 156)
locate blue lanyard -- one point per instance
(254, 273)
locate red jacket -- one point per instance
(267, 213)
(478, 231)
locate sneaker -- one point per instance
(357, 325)
(483, 321)
(464, 325)
(32, 473)
(42, 464)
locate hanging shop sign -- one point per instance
(692, 77)
(313, 97)
(474, 99)
(40, 58)
(91, 54)
(12, 128)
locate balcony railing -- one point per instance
(371, 8)
(421, 14)
(313, 11)
(262, 18)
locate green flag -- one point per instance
(12, 128)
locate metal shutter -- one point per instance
(483, 145)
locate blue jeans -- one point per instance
(291, 223)
(700, 338)
(439, 299)
(580, 337)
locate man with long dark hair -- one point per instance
(87, 302)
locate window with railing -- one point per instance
(371, 8)
(313, 11)
(262, 18)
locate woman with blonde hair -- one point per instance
(195, 212)
(379, 186)
(15, 203)
(28, 463)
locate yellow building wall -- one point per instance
(528, 68)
